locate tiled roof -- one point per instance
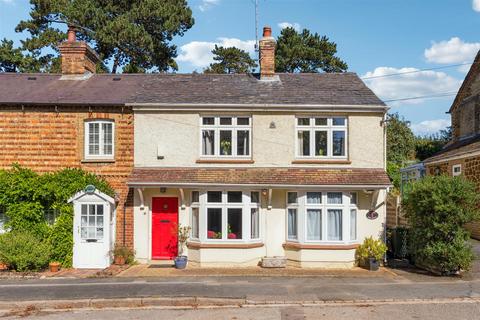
(120, 89)
(458, 148)
(258, 176)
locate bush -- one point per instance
(437, 209)
(23, 251)
(371, 248)
(124, 252)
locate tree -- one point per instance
(230, 60)
(437, 209)
(306, 52)
(135, 33)
(13, 59)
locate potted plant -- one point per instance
(122, 255)
(183, 235)
(370, 253)
(54, 266)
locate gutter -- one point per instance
(263, 186)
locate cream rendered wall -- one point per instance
(177, 136)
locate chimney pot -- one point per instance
(77, 56)
(71, 34)
(267, 31)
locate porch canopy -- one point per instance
(191, 177)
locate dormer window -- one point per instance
(321, 137)
(225, 136)
(99, 139)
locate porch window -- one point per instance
(99, 139)
(325, 216)
(195, 216)
(321, 137)
(228, 136)
(91, 223)
(228, 215)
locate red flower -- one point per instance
(232, 236)
(211, 234)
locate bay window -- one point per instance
(324, 216)
(225, 215)
(321, 137)
(99, 139)
(225, 136)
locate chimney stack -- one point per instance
(267, 55)
(77, 56)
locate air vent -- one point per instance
(116, 79)
(32, 78)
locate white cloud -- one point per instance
(207, 4)
(283, 25)
(454, 50)
(476, 5)
(429, 127)
(199, 53)
(411, 84)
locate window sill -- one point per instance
(300, 246)
(97, 161)
(199, 245)
(226, 161)
(320, 161)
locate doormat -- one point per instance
(160, 266)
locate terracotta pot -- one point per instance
(120, 260)
(54, 266)
(3, 266)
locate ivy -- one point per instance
(26, 195)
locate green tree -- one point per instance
(135, 33)
(437, 209)
(230, 60)
(400, 140)
(306, 52)
(14, 60)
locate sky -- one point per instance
(375, 38)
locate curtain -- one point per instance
(314, 224)
(334, 224)
(255, 221)
(353, 224)
(334, 198)
(304, 143)
(243, 143)
(292, 224)
(314, 197)
(208, 142)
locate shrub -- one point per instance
(61, 237)
(437, 209)
(371, 248)
(24, 251)
(125, 252)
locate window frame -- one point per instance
(101, 155)
(456, 166)
(234, 128)
(96, 226)
(302, 218)
(313, 128)
(246, 205)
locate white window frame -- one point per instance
(456, 166)
(312, 128)
(246, 205)
(101, 154)
(96, 238)
(292, 206)
(194, 205)
(234, 128)
(302, 206)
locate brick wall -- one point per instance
(46, 140)
(471, 171)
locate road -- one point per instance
(424, 311)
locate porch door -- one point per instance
(164, 228)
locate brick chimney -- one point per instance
(77, 56)
(267, 55)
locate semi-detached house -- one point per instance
(258, 165)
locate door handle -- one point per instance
(164, 221)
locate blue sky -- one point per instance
(375, 38)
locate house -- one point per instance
(461, 156)
(267, 165)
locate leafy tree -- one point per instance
(14, 60)
(437, 209)
(136, 33)
(306, 52)
(230, 60)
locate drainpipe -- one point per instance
(125, 219)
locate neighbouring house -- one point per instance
(258, 165)
(461, 156)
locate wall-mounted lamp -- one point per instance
(264, 192)
(272, 125)
(163, 190)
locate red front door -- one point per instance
(164, 228)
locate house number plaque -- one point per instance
(372, 215)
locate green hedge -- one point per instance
(437, 209)
(26, 195)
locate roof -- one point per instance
(120, 89)
(259, 177)
(462, 147)
(469, 79)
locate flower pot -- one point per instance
(3, 266)
(54, 266)
(181, 262)
(120, 260)
(373, 264)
